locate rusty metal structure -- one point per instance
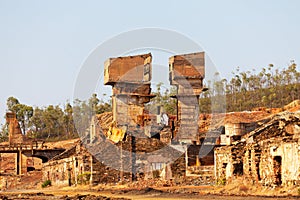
(130, 80)
(187, 72)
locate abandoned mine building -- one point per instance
(131, 143)
(30, 154)
(268, 155)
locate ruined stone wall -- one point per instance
(178, 168)
(60, 172)
(223, 163)
(36, 163)
(288, 171)
(104, 174)
(268, 155)
(134, 157)
(251, 162)
(68, 168)
(23, 164)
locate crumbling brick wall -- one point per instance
(132, 159)
(288, 172)
(68, 167)
(223, 163)
(15, 133)
(178, 168)
(77, 166)
(267, 155)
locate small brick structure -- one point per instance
(15, 133)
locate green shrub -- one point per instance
(221, 181)
(46, 183)
(84, 178)
(156, 173)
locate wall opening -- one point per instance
(238, 169)
(257, 171)
(277, 169)
(192, 153)
(223, 171)
(29, 169)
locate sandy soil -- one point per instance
(167, 193)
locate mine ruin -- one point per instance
(25, 149)
(131, 144)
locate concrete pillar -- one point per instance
(91, 177)
(186, 159)
(75, 169)
(18, 165)
(130, 78)
(121, 164)
(187, 72)
(133, 159)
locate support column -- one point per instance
(130, 78)
(187, 72)
(91, 177)
(19, 163)
(121, 164)
(186, 159)
(133, 159)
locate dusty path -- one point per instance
(117, 194)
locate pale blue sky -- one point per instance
(44, 43)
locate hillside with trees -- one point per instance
(54, 122)
(270, 87)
